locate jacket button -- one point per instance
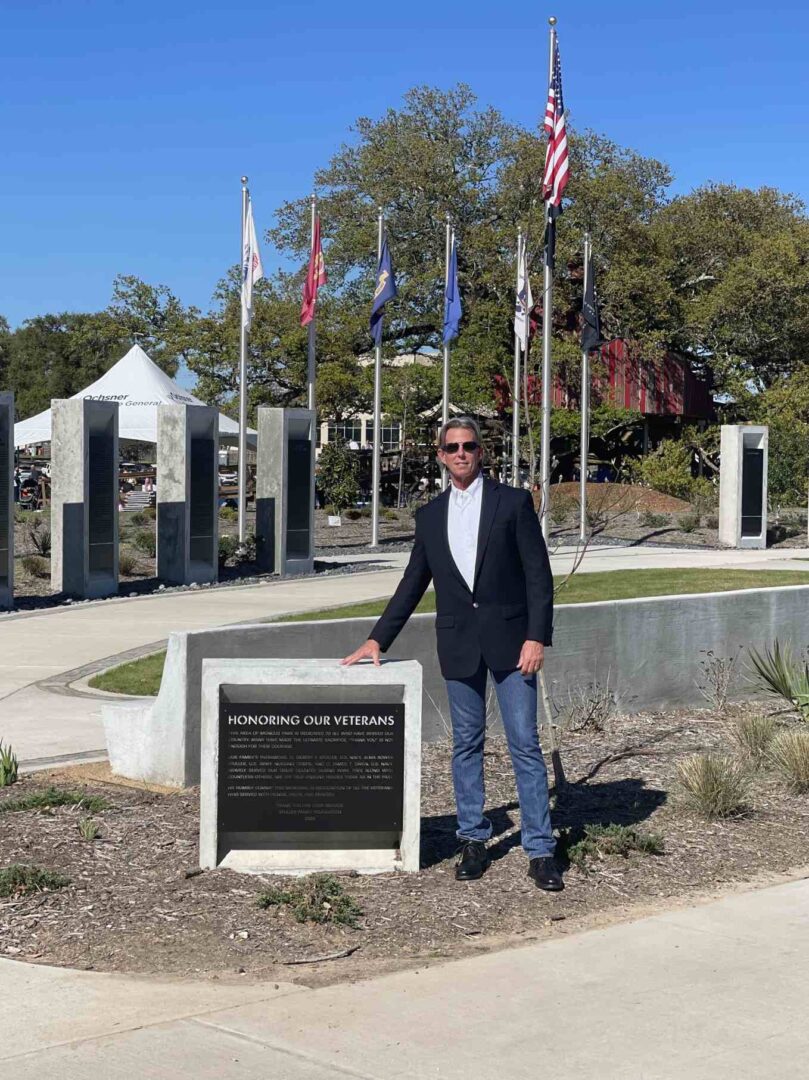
(475, 604)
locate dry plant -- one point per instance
(716, 785)
(587, 708)
(127, 562)
(718, 678)
(753, 735)
(789, 754)
(88, 829)
(35, 566)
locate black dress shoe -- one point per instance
(472, 860)
(545, 874)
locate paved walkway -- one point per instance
(716, 992)
(45, 724)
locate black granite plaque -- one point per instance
(102, 502)
(752, 490)
(311, 768)
(203, 497)
(299, 497)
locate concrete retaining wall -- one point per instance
(649, 650)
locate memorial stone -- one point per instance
(308, 765)
(6, 500)
(84, 497)
(743, 486)
(187, 494)
(285, 490)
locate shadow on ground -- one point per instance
(614, 802)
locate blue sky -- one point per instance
(126, 126)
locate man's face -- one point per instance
(462, 464)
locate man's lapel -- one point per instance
(488, 508)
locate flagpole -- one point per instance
(445, 380)
(242, 468)
(547, 328)
(584, 453)
(515, 421)
(310, 355)
(376, 479)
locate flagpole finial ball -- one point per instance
(552, 20)
(244, 179)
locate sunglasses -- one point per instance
(453, 447)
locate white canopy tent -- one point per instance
(140, 387)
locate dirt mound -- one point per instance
(621, 498)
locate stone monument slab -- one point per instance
(308, 765)
(285, 490)
(6, 500)
(187, 494)
(84, 497)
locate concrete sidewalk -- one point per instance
(716, 992)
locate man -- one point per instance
(481, 544)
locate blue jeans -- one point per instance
(517, 696)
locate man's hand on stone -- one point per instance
(532, 656)
(369, 650)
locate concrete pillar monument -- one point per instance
(743, 486)
(187, 494)
(84, 497)
(285, 490)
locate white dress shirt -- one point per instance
(463, 524)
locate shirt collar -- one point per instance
(461, 496)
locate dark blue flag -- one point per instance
(591, 322)
(452, 298)
(385, 289)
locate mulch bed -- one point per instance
(137, 902)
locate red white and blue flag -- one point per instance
(555, 178)
(252, 270)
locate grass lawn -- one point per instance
(143, 676)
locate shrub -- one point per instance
(19, 880)
(352, 515)
(138, 518)
(653, 520)
(753, 735)
(229, 513)
(689, 522)
(144, 541)
(8, 766)
(149, 512)
(338, 474)
(127, 562)
(389, 514)
(35, 566)
(39, 537)
(779, 674)
(228, 546)
(88, 829)
(319, 898)
(600, 841)
(712, 521)
(668, 469)
(716, 785)
(51, 797)
(789, 754)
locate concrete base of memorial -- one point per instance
(309, 766)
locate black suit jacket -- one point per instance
(512, 598)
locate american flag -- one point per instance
(556, 164)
